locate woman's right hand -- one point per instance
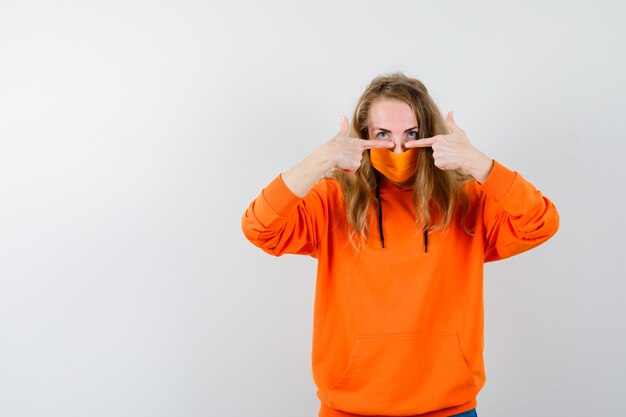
(345, 152)
(341, 152)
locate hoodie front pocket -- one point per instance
(399, 375)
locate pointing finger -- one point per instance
(421, 143)
(376, 143)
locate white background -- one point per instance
(133, 135)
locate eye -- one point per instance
(412, 134)
(382, 135)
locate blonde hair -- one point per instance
(436, 193)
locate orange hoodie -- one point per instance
(398, 331)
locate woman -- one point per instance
(401, 213)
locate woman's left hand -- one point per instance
(454, 151)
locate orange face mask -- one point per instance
(396, 167)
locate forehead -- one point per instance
(391, 113)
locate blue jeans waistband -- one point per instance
(468, 413)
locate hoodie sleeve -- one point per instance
(280, 222)
(516, 216)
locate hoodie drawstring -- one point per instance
(380, 216)
(380, 222)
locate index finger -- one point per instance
(420, 143)
(376, 143)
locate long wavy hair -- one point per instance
(437, 194)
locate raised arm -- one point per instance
(290, 213)
(341, 151)
(515, 215)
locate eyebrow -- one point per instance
(385, 130)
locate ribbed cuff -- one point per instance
(499, 182)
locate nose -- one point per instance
(399, 144)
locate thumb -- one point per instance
(345, 126)
(452, 124)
